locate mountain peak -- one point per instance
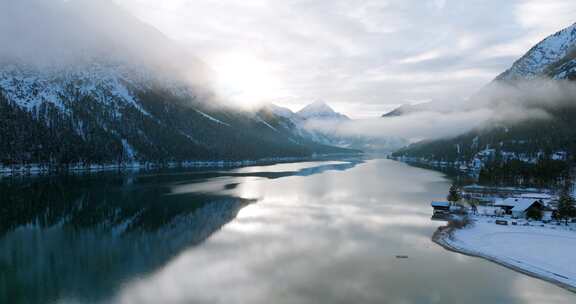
(320, 110)
(554, 57)
(278, 110)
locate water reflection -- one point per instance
(318, 232)
(80, 238)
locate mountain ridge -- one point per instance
(122, 105)
(304, 123)
(320, 110)
(529, 143)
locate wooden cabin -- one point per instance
(441, 207)
(519, 207)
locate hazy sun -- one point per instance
(244, 79)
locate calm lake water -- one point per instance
(309, 232)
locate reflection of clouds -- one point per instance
(285, 167)
(531, 292)
(331, 238)
(251, 187)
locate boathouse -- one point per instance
(441, 207)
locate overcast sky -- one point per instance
(363, 57)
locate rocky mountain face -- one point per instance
(534, 141)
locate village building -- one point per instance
(441, 207)
(519, 207)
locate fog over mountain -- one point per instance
(363, 57)
(96, 86)
(496, 103)
(57, 33)
(73, 37)
(537, 83)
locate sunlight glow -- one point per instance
(245, 79)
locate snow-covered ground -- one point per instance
(541, 250)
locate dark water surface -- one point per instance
(311, 232)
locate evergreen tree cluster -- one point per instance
(566, 204)
(454, 195)
(511, 146)
(544, 173)
(171, 128)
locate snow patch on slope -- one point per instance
(30, 88)
(130, 152)
(266, 124)
(320, 110)
(212, 118)
(541, 56)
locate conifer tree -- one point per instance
(566, 207)
(454, 194)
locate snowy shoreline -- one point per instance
(484, 239)
(41, 169)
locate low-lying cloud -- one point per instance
(496, 104)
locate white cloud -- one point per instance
(546, 17)
(355, 53)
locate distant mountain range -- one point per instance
(529, 140)
(302, 123)
(320, 110)
(408, 109)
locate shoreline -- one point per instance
(32, 170)
(443, 235)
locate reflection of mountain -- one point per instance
(81, 238)
(307, 171)
(60, 243)
(265, 172)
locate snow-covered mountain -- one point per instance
(113, 113)
(117, 92)
(320, 110)
(411, 108)
(301, 123)
(553, 57)
(530, 140)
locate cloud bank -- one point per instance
(364, 57)
(496, 104)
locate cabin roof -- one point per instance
(440, 204)
(517, 203)
(536, 196)
(523, 205)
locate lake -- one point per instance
(306, 232)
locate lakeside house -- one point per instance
(441, 207)
(492, 195)
(513, 201)
(519, 207)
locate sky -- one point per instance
(363, 57)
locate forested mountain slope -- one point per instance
(547, 139)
